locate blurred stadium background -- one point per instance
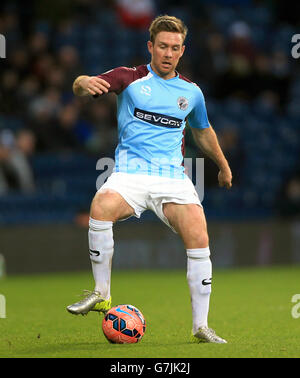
(238, 52)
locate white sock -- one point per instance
(199, 273)
(101, 248)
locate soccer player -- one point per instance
(154, 102)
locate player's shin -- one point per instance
(199, 274)
(101, 248)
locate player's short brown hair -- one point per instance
(167, 23)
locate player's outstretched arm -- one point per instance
(207, 140)
(90, 85)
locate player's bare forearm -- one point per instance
(206, 139)
(90, 85)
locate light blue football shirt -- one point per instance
(152, 114)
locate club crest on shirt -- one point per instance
(182, 103)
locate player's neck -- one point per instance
(166, 76)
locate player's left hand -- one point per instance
(225, 178)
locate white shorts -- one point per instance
(143, 192)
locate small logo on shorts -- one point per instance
(182, 103)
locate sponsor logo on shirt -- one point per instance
(158, 119)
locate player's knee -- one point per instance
(204, 241)
(199, 239)
(103, 208)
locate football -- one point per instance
(124, 324)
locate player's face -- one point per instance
(166, 51)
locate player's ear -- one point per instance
(150, 47)
(182, 50)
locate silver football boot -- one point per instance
(91, 302)
(207, 335)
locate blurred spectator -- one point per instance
(15, 169)
(68, 60)
(38, 44)
(281, 70)
(240, 42)
(136, 14)
(49, 102)
(289, 200)
(266, 104)
(211, 61)
(8, 90)
(271, 74)
(56, 126)
(42, 65)
(19, 59)
(29, 89)
(10, 28)
(63, 132)
(262, 78)
(217, 53)
(43, 111)
(56, 78)
(236, 80)
(104, 136)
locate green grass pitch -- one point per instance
(250, 307)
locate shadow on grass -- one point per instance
(65, 349)
(94, 349)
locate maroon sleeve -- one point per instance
(119, 78)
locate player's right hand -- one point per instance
(94, 85)
(225, 178)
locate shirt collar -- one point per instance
(155, 74)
